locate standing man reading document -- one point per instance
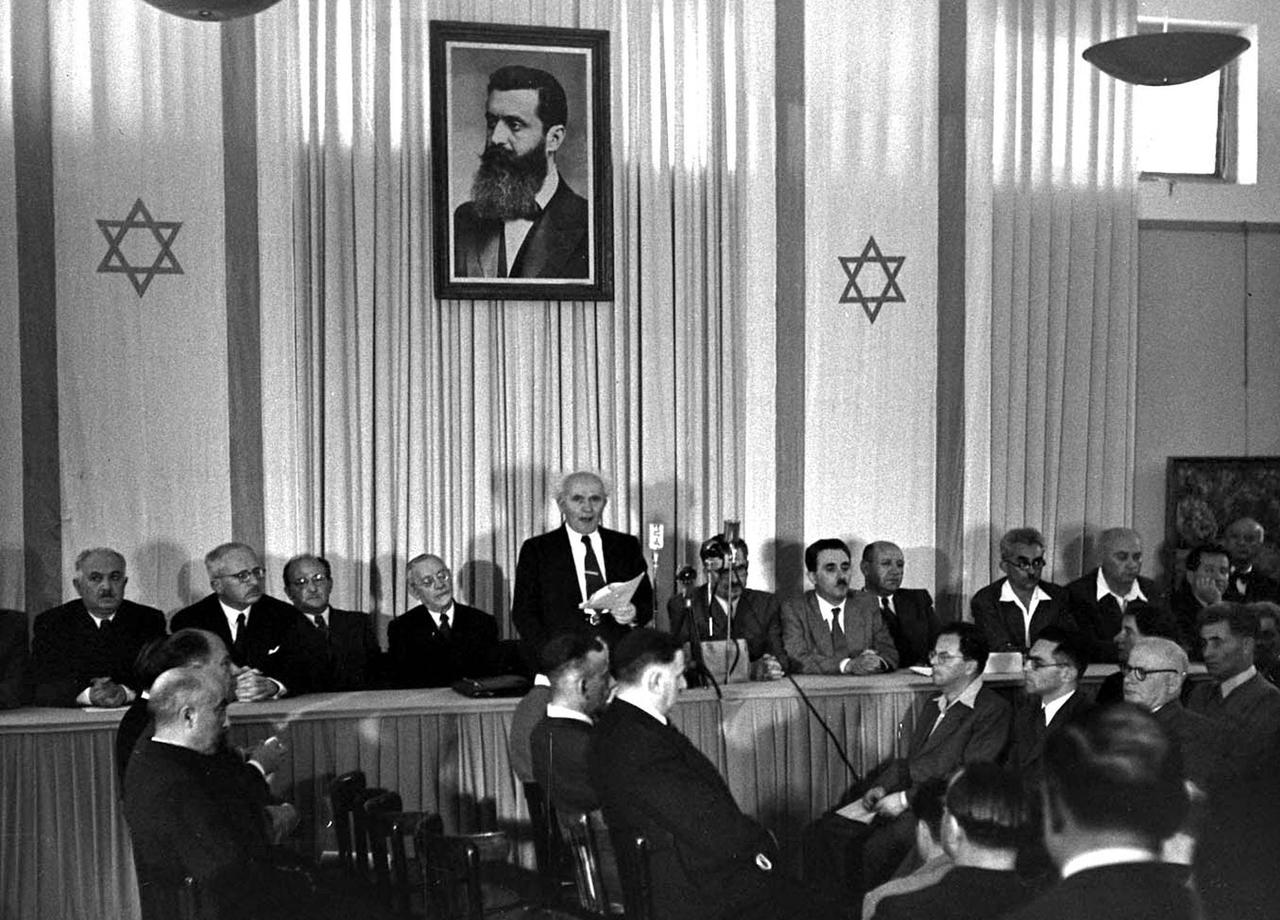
(558, 571)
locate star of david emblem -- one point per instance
(162, 231)
(890, 265)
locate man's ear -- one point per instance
(554, 138)
(652, 680)
(810, 577)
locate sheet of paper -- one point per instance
(922, 669)
(856, 811)
(614, 594)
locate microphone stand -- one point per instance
(695, 644)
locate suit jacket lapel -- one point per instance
(818, 625)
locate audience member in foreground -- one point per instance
(257, 629)
(578, 667)
(984, 824)
(756, 615)
(1052, 672)
(708, 859)
(855, 848)
(908, 612)
(439, 641)
(82, 652)
(1012, 610)
(337, 649)
(933, 860)
(1100, 599)
(1112, 793)
(830, 630)
(557, 571)
(187, 819)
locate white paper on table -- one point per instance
(614, 594)
(856, 811)
(922, 669)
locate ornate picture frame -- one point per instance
(1205, 494)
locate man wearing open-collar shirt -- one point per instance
(1012, 610)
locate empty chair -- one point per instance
(391, 831)
(347, 795)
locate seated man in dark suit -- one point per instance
(556, 572)
(1244, 539)
(1012, 610)
(259, 630)
(985, 822)
(1052, 672)
(857, 847)
(908, 612)
(1139, 621)
(578, 667)
(1098, 600)
(1203, 584)
(708, 861)
(189, 817)
(83, 652)
(1112, 793)
(439, 641)
(735, 611)
(337, 648)
(15, 680)
(830, 630)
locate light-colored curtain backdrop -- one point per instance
(1052, 306)
(397, 423)
(12, 587)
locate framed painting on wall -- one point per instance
(521, 162)
(1205, 494)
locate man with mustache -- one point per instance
(829, 630)
(523, 220)
(83, 651)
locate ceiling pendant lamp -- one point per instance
(1166, 58)
(212, 10)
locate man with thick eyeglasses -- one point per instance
(855, 848)
(440, 640)
(1051, 673)
(1012, 611)
(257, 628)
(338, 649)
(757, 615)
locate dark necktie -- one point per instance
(591, 569)
(444, 629)
(837, 631)
(895, 630)
(322, 626)
(239, 645)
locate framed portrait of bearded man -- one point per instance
(521, 178)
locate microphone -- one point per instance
(657, 534)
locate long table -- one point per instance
(64, 846)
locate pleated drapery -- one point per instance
(1052, 248)
(397, 423)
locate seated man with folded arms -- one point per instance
(188, 818)
(337, 649)
(1100, 599)
(439, 641)
(933, 860)
(83, 651)
(578, 668)
(853, 849)
(258, 630)
(15, 687)
(908, 612)
(1012, 610)
(757, 616)
(983, 825)
(830, 630)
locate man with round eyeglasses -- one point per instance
(439, 641)
(1012, 611)
(257, 628)
(338, 648)
(1051, 672)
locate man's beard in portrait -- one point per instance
(507, 183)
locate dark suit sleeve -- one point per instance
(984, 607)
(526, 603)
(15, 689)
(772, 614)
(992, 719)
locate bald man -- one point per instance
(908, 612)
(558, 570)
(1098, 601)
(1244, 539)
(439, 641)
